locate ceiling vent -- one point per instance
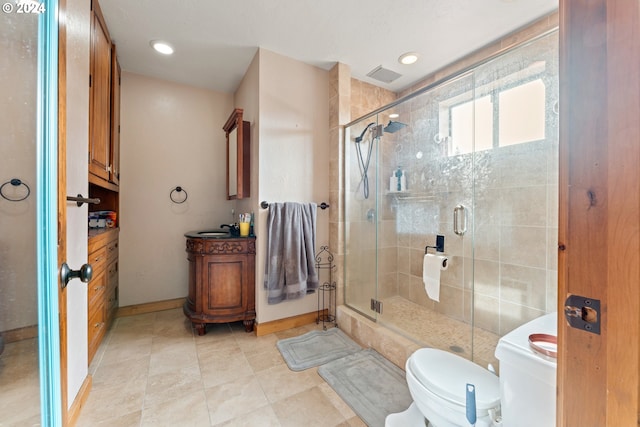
(383, 75)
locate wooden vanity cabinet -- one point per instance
(221, 282)
(102, 290)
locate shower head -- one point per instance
(394, 126)
(359, 138)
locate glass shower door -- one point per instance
(438, 200)
(361, 215)
(515, 192)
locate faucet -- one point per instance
(234, 229)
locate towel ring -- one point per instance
(16, 183)
(178, 189)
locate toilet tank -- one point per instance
(527, 378)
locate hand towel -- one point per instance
(290, 270)
(431, 267)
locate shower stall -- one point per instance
(473, 158)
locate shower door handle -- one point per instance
(460, 220)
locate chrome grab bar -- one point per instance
(459, 230)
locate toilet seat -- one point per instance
(446, 375)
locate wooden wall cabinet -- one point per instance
(221, 282)
(104, 105)
(102, 293)
(238, 156)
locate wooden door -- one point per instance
(599, 229)
(62, 202)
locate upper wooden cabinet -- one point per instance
(114, 172)
(104, 105)
(238, 156)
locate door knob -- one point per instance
(84, 274)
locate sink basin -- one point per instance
(213, 233)
(209, 234)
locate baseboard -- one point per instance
(150, 307)
(286, 323)
(20, 334)
(78, 403)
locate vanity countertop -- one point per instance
(214, 234)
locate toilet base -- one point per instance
(411, 417)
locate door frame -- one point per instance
(47, 217)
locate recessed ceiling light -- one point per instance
(162, 47)
(408, 58)
(394, 115)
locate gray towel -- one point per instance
(290, 270)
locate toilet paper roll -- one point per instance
(432, 265)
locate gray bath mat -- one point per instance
(316, 348)
(371, 385)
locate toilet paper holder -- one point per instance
(439, 247)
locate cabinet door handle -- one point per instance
(460, 220)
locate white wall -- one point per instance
(171, 135)
(78, 39)
(18, 68)
(293, 157)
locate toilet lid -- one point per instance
(446, 375)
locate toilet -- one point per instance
(437, 382)
(524, 394)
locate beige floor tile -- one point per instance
(114, 401)
(173, 359)
(280, 382)
(234, 399)
(124, 351)
(168, 344)
(185, 410)
(344, 409)
(206, 343)
(128, 420)
(263, 417)
(308, 408)
(20, 402)
(355, 422)
(168, 386)
(266, 359)
(220, 367)
(250, 344)
(123, 373)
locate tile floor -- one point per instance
(152, 370)
(19, 389)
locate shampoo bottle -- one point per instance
(398, 174)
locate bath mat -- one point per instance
(371, 385)
(316, 348)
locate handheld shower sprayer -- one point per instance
(363, 163)
(359, 138)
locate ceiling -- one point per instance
(215, 40)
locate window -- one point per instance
(521, 117)
(499, 117)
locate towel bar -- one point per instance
(265, 205)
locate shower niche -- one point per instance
(473, 158)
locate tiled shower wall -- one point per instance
(511, 250)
